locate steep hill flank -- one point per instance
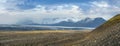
(107, 34)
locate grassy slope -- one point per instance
(107, 34)
(112, 21)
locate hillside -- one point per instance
(107, 34)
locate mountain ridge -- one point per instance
(88, 22)
(108, 34)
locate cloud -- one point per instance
(43, 13)
(13, 11)
(103, 9)
(100, 4)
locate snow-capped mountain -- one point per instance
(87, 22)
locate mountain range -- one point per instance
(87, 22)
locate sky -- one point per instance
(52, 11)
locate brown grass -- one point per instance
(39, 38)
